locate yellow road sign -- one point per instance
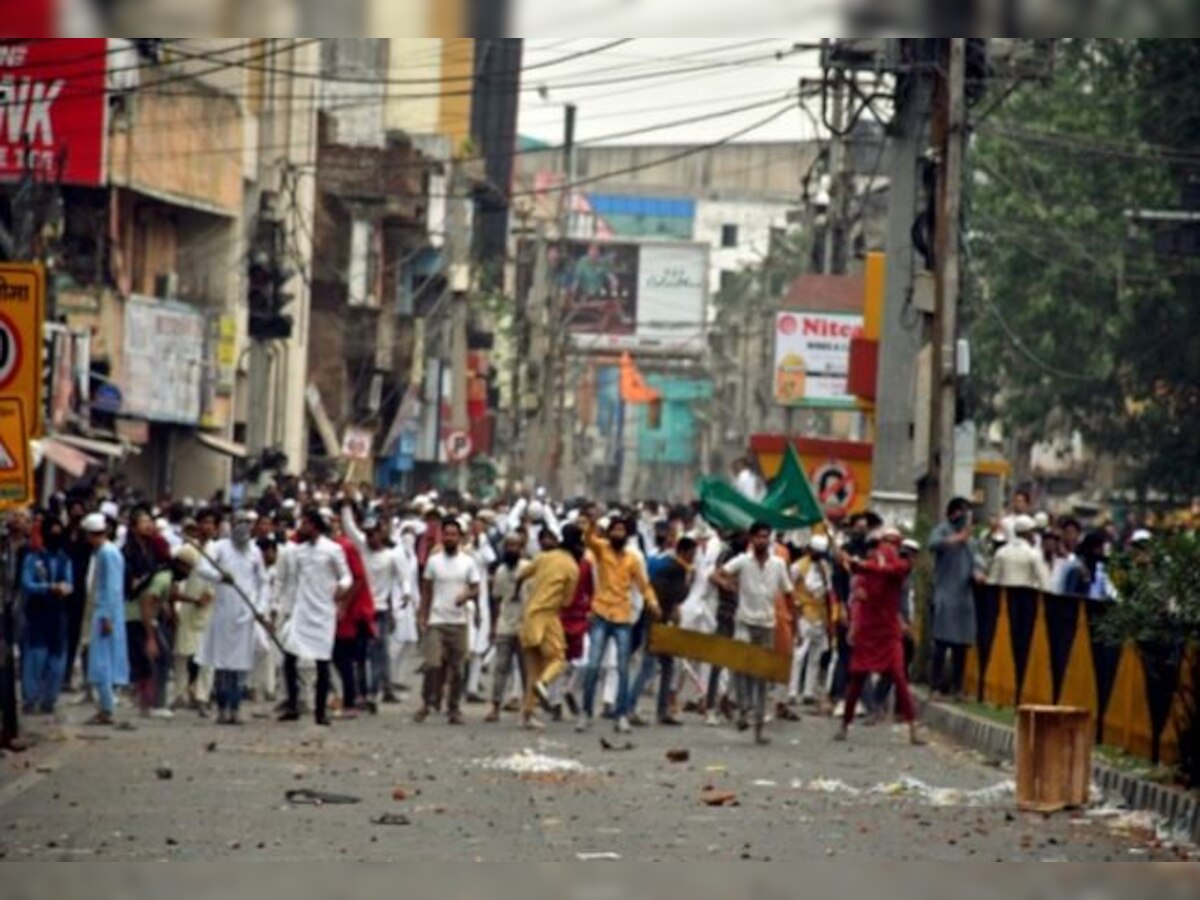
(16, 468)
(22, 316)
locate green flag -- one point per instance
(790, 504)
(791, 491)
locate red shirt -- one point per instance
(878, 636)
(360, 605)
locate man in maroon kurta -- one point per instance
(876, 629)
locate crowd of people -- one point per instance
(529, 608)
(526, 608)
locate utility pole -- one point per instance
(953, 126)
(563, 445)
(836, 226)
(895, 472)
(458, 249)
(549, 337)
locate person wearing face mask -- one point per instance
(619, 572)
(48, 581)
(229, 644)
(957, 566)
(507, 608)
(1086, 576)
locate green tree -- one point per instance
(1078, 322)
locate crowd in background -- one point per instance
(530, 607)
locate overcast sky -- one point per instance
(749, 75)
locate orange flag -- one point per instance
(633, 386)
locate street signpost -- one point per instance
(458, 446)
(22, 318)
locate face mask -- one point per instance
(241, 534)
(409, 541)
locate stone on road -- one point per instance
(496, 793)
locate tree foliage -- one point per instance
(1078, 322)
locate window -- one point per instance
(729, 236)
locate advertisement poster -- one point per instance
(164, 361)
(52, 92)
(812, 358)
(627, 296)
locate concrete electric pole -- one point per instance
(896, 470)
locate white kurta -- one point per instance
(699, 612)
(479, 639)
(229, 642)
(406, 608)
(310, 577)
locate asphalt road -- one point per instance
(83, 794)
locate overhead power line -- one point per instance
(376, 81)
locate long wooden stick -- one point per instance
(229, 580)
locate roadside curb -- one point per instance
(1180, 812)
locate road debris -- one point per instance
(915, 788)
(529, 762)
(679, 756)
(399, 795)
(713, 797)
(164, 772)
(307, 797)
(607, 745)
(390, 820)
(598, 857)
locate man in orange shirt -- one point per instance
(619, 570)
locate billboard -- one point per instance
(52, 94)
(164, 361)
(812, 358)
(626, 296)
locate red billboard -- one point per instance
(52, 109)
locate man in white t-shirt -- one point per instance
(758, 576)
(449, 592)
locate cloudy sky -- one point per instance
(725, 84)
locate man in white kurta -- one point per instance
(229, 644)
(314, 579)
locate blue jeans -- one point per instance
(42, 676)
(379, 669)
(651, 664)
(227, 686)
(598, 637)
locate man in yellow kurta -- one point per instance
(553, 577)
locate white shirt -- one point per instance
(384, 572)
(310, 577)
(1020, 565)
(449, 578)
(749, 485)
(758, 586)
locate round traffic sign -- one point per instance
(11, 351)
(458, 446)
(835, 486)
